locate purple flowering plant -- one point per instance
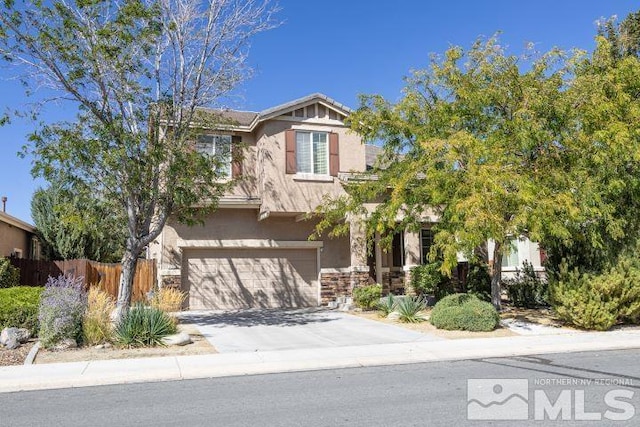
(62, 305)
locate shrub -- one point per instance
(479, 280)
(144, 326)
(9, 275)
(96, 323)
(168, 300)
(62, 306)
(387, 305)
(427, 279)
(19, 308)
(598, 301)
(409, 308)
(464, 312)
(526, 289)
(367, 297)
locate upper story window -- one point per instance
(217, 145)
(312, 153)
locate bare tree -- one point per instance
(138, 72)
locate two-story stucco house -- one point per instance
(254, 250)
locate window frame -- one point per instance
(424, 256)
(213, 139)
(312, 153)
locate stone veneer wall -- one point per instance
(173, 281)
(333, 285)
(393, 282)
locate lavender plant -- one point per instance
(62, 305)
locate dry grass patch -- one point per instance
(200, 345)
(541, 316)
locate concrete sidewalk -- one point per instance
(103, 372)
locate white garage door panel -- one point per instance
(251, 278)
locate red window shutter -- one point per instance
(236, 156)
(334, 156)
(290, 142)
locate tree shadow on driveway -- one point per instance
(258, 317)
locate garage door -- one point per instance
(251, 278)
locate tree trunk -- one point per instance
(496, 277)
(129, 263)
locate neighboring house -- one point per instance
(254, 250)
(17, 238)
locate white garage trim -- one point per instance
(249, 243)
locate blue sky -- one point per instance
(344, 48)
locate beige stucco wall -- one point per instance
(247, 184)
(283, 192)
(243, 224)
(13, 237)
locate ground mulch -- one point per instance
(200, 345)
(16, 356)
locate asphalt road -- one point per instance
(573, 386)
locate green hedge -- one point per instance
(9, 275)
(464, 312)
(19, 307)
(599, 301)
(367, 297)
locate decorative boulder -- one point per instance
(11, 344)
(394, 315)
(21, 335)
(181, 338)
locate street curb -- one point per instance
(173, 368)
(32, 354)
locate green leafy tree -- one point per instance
(624, 37)
(479, 140)
(138, 72)
(74, 224)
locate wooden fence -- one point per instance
(106, 276)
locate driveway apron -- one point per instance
(269, 330)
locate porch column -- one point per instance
(378, 254)
(412, 258)
(359, 271)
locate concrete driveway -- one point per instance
(268, 330)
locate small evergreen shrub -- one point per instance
(409, 308)
(464, 312)
(62, 306)
(19, 307)
(598, 301)
(427, 279)
(144, 327)
(96, 323)
(168, 300)
(387, 305)
(479, 280)
(367, 297)
(9, 275)
(526, 289)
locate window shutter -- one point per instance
(290, 142)
(236, 156)
(334, 157)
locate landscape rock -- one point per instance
(21, 335)
(181, 338)
(394, 315)
(12, 344)
(66, 344)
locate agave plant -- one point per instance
(387, 305)
(144, 326)
(409, 309)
